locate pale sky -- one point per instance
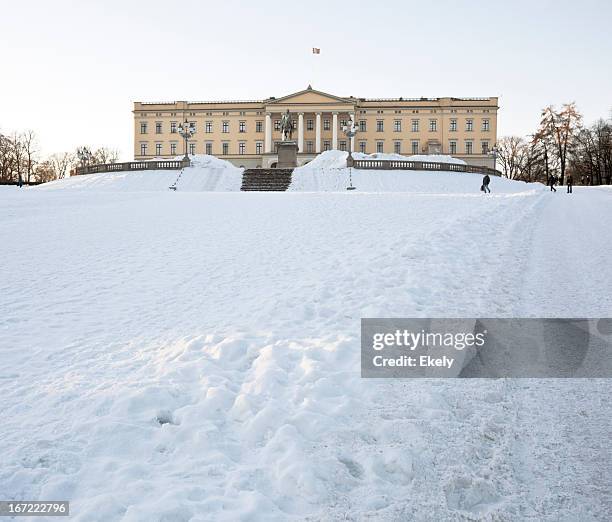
(71, 69)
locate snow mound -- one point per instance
(328, 173)
(206, 173)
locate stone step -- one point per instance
(266, 180)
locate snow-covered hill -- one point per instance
(207, 173)
(326, 173)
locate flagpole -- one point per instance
(315, 51)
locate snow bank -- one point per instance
(328, 173)
(206, 173)
(336, 159)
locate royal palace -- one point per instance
(246, 132)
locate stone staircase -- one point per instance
(265, 180)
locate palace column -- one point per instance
(300, 130)
(318, 134)
(335, 131)
(268, 134)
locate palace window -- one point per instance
(362, 125)
(326, 145)
(452, 147)
(309, 147)
(415, 147)
(172, 127)
(209, 148)
(309, 125)
(485, 125)
(276, 125)
(380, 126)
(225, 148)
(397, 125)
(225, 126)
(173, 149)
(433, 125)
(242, 148)
(259, 126)
(158, 149)
(143, 127)
(242, 126)
(208, 127)
(192, 147)
(469, 147)
(397, 147)
(453, 125)
(343, 123)
(469, 125)
(415, 125)
(343, 145)
(158, 127)
(258, 147)
(380, 146)
(192, 124)
(362, 147)
(485, 147)
(326, 125)
(143, 149)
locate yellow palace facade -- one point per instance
(246, 132)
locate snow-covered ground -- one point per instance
(175, 356)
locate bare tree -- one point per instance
(104, 155)
(28, 140)
(7, 160)
(561, 127)
(61, 163)
(18, 155)
(591, 157)
(511, 155)
(45, 171)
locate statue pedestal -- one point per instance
(287, 155)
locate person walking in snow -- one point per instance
(552, 182)
(570, 184)
(485, 184)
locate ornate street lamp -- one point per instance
(186, 130)
(350, 130)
